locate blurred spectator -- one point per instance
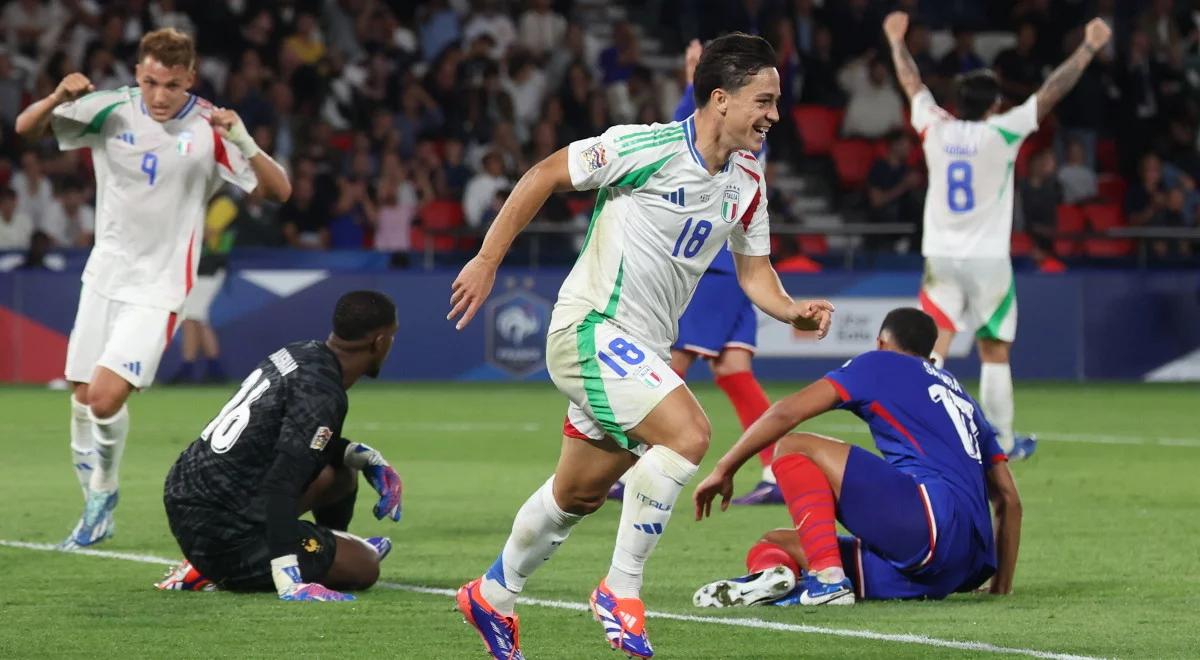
(617, 61)
(1161, 25)
(578, 48)
(481, 191)
(488, 19)
(1082, 112)
(305, 42)
(16, 229)
(819, 72)
(542, 30)
(575, 97)
(24, 22)
(856, 24)
(439, 27)
(1019, 68)
(455, 174)
(962, 58)
(418, 115)
(1140, 97)
(257, 222)
(919, 41)
(245, 99)
(70, 221)
(875, 107)
(12, 89)
(806, 17)
(526, 85)
(894, 190)
(1076, 178)
(354, 214)
(400, 197)
(494, 205)
(1151, 201)
(1040, 195)
(33, 188)
(304, 225)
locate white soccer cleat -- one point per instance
(754, 589)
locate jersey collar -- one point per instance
(689, 131)
(187, 107)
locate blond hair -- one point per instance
(169, 46)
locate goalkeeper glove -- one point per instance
(380, 475)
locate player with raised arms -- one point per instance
(611, 331)
(276, 450)
(919, 515)
(160, 153)
(968, 283)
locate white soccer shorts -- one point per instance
(125, 338)
(965, 295)
(200, 298)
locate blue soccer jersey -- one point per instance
(926, 426)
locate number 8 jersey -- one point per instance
(153, 183)
(969, 205)
(659, 219)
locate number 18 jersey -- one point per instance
(660, 219)
(969, 205)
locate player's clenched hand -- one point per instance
(1097, 33)
(716, 483)
(379, 473)
(895, 25)
(813, 315)
(224, 120)
(72, 87)
(470, 289)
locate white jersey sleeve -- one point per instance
(926, 111)
(1019, 121)
(620, 156)
(753, 235)
(81, 123)
(230, 166)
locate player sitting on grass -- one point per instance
(275, 451)
(919, 515)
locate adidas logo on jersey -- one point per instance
(134, 368)
(649, 528)
(675, 197)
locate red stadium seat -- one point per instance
(1103, 217)
(852, 160)
(1111, 188)
(1106, 155)
(1070, 220)
(818, 126)
(439, 214)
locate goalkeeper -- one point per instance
(276, 451)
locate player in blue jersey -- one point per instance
(919, 515)
(720, 325)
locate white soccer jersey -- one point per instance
(659, 219)
(969, 206)
(153, 181)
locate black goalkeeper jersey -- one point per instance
(253, 461)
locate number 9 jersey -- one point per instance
(969, 205)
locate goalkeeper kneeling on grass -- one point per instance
(276, 451)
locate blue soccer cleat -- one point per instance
(764, 493)
(1023, 447)
(381, 544)
(748, 590)
(96, 523)
(501, 634)
(812, 591)
(624, 621)
(617, 491)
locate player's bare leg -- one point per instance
(331, 497)
(941, 347)
(105, 400)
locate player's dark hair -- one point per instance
(728, 62)
(912, 330)
(169, 46)
(975, 93)
(358, 313)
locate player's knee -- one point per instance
(579, 501)
(993, 351)
(692, 443)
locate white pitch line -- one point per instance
(760, 624)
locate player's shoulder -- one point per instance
(748, 164)
(627, 139)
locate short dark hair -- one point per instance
(912, 330)
(728, 62)
(358, 313)
(975, 93)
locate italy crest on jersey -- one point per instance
(729, 204)
(184, 144)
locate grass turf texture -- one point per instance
(1107, 556)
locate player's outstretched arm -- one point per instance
(1060, 82)
(475, 280)
(761, 283)
(772, 425)
(895, 26)
(271, 177)
(1006, 503)
(33, 121)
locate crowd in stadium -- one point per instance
(399, 118)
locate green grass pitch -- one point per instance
(1108, 554)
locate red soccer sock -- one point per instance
(809, 500)
(764, 555)
(750, 402)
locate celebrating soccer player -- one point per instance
(275, 451)
(615, 320)
(968, 282)
(160, 153)
(919, 515)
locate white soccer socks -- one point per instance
(83, 453)
(539, 528)
(109, 436)
(996, 397)
(650, 494)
